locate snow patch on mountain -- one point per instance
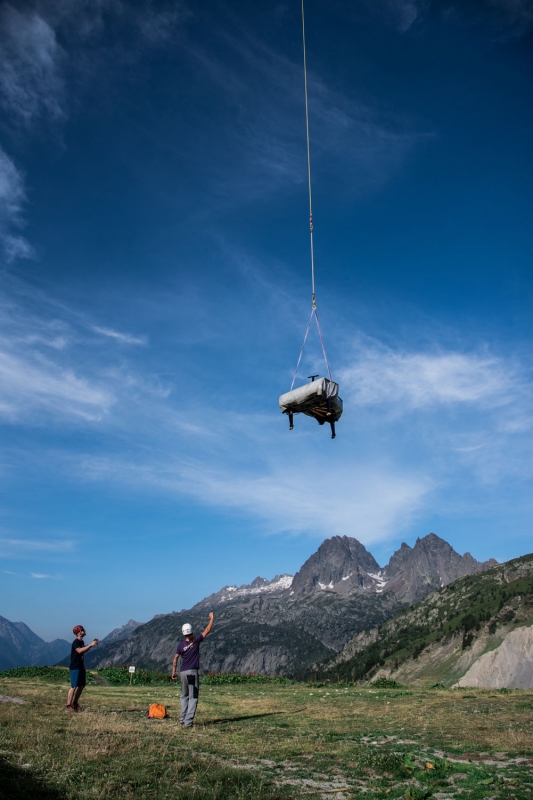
(259, 586)
(378, 579)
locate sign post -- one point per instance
(131, 671)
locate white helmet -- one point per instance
(186, 629)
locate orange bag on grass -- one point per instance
(157, 711)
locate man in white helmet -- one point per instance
(189, 650)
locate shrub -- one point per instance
(386, 683)
(217, 678)
(59, 674)
(141, 677)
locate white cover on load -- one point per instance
(312, 393)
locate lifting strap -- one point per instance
(314, 314)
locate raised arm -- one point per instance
(209, 625)
(87, 647)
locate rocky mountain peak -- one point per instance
(341, 563)
(258, 582)
(123, 632)
(413, 572)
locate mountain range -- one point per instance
(21, 647)
(291, 622)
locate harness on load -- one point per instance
(320, 398)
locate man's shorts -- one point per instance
(77, 678)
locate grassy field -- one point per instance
(265, 742)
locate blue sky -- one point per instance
(155, 292)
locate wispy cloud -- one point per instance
(12, 200)
(34, 385)
(25, 548)
(265, 90)
(125, 338)
(40, 576)
(35, 69)
(31, 85)
(410, 380)
(500, 18)
(369, 502)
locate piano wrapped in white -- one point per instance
(319, 399)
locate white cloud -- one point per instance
(12, 199)
(40, 576)
(29, 386)
(125, 338)
(410, 380)
(370, 502)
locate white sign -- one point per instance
(131, 669)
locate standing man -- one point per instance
(189, 650)
(77, 668)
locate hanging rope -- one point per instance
(313, 297)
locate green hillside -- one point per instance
(428, 639)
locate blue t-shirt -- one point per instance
(190, 653)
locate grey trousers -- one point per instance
(190, 686)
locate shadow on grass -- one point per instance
(251, 716)
(22, 784)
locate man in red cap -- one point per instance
(77, 667)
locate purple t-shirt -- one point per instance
(190, 653)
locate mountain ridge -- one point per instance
(21, 647)
(280, 626)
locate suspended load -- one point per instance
(318, 399)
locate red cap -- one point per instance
(77, 629)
